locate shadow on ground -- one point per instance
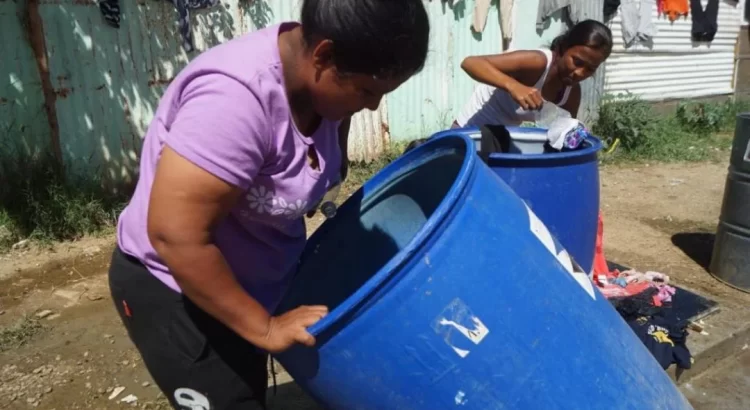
(696, 245)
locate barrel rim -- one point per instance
(433, 223)
(596, 146)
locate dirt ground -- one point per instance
(724, 387)
(73, 352)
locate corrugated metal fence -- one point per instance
(672, 65)
(88, 91)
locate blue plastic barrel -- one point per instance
(562, 188)
(446, 291)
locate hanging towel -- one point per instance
(673, 9)
(578, 10)
(479, 18)
(547, 8)
(705, 23)
(110, 10)
(637, 24)
(506, 18)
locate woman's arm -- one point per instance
(514, 72)
(214, 149)
(185, 206)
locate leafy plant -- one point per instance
(702, 116)
(706, 117)
(627, 118)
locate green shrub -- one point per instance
(704, 117)
(696, 131)
(627, 118)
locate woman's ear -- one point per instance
(322, 55)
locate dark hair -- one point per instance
(414, 144)
(588, 33)
(385, 38)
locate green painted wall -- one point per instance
(108, 81)
(431, 100)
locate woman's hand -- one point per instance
(528, 98)
(291, 328)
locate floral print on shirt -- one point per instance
(261, 200)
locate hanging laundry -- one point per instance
(705, 23)
(110, 10)
(506, 18)
(610, 8)
(637, 24)
(482, 10)
(479, 18)
(673, 9)
(665, 340)
(578, 10)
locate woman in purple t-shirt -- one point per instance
(246, 141)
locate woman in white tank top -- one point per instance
(515, 85)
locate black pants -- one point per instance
(197, 362)
(705, 22)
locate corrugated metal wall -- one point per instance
(22, 116)
(675, 66)
(106, 82)
(430, 101)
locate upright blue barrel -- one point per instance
(730, 260)
(446, 291)
(562, 188)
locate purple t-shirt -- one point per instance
(227, 112)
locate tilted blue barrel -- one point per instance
(446, 291)
(562, 188)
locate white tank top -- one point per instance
(490, 105)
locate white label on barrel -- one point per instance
(458, 318)
(540, 230)
(460, 398)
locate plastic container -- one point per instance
(730, 261)
(446, 291)
(561, 187)
(527, 140)
(548, 114)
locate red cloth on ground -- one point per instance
(600, 262)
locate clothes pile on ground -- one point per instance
(643, 299)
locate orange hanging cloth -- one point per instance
(673, 9)
(600, 262)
